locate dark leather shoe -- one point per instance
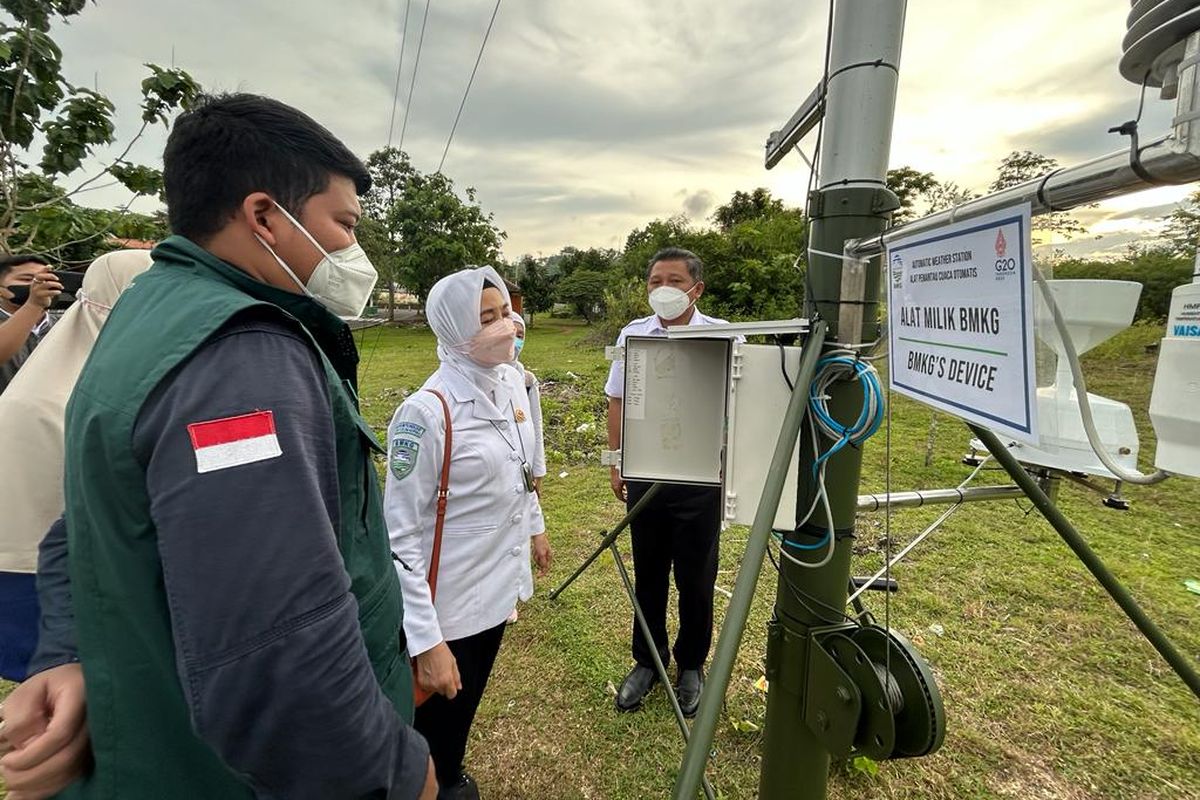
(635, 687)
(465, 789)
(688, 691)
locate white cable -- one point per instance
(838, 256)
(829, 534)
(1085, 405)
(933, 526)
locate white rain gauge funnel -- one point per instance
(1094, 310)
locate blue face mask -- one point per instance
(518, 343)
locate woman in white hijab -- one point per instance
(455, 620)
(32, 410)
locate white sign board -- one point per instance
(960, 321)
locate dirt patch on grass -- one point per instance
(1028, 778)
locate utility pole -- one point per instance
(851, 202)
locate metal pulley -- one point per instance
(871, 693)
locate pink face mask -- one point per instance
(493, 345)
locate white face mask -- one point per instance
(342, 281)
(670, 303)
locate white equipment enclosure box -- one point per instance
(673, 415)
(758, 400)
(708, 412)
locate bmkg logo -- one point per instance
(897, 270)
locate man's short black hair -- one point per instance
(231, 145)
(695, 266)
(9, 263)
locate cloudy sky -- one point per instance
(588, 119)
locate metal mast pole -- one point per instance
(851, 202)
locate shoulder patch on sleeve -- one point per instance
(408, 429)
(403, 457)
(234, 441)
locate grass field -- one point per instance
(1050, 692)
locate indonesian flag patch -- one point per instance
(233, 441)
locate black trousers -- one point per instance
(445, 724)
(680, 528)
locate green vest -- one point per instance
(142, 738)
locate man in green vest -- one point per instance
(237, 610)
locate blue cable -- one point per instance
(865, 426)
(817, 546)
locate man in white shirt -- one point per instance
(680, 527)
(27, 288)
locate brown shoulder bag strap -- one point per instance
(443, 492)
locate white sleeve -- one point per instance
(535, 414)
(615, 385)
(537, 521)
(415, 441)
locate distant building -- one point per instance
(131, 244)
(514, 291)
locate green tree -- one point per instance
(947, 194)
(584, 289)
(1182, 232)
(537, 287)
(752, 271)
(373, 238)
(921, 193)
(761, 276)
(425, 230)
(625, 299)
(643, 243)
(593, 259)
(1157, 270)
(1021, 166)
(745, 206)
(37, 103)
(910, 185)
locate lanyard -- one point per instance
(526, 469)
(524, 458)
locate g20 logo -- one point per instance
(1006, 266)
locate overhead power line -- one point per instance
(470, 81)
(399, 68)
(416, 65)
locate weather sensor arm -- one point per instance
(1085, 405)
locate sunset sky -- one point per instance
(589, 119)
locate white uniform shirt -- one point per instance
(645, 326)
(490, 516)
(535, 407)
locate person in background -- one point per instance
(679, 528)
(32, 411)
(491, 515)
(535, 408)
(237, 614)
(27, 289)
(533, 388)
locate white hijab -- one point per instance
(33, 407)
(452, 310)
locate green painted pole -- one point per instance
(1120, 595)
(713, 697)
(851, 202)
